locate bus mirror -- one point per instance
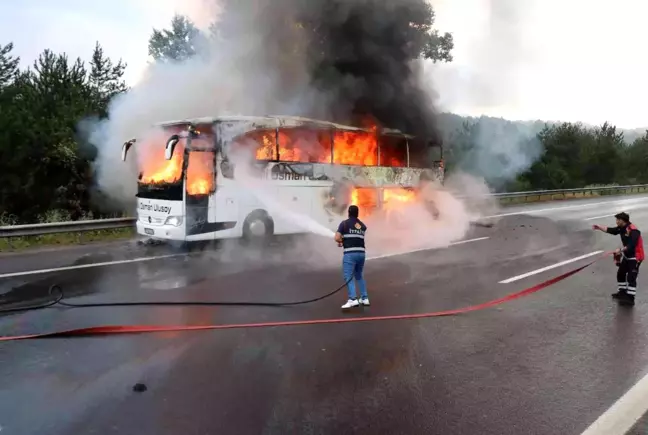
(193, 132)
(170, 146)
(125, 149)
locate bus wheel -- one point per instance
(258, 226)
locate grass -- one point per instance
(13, 244)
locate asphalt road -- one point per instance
(549, 363)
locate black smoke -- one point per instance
(358, 56)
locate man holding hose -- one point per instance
(628, 258)
(350, 236)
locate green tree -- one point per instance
(636, 161)
(176, 44)
(54, 96)
(43, 167)
(558, 166)
(430, 43)
(8, 65)
(105, 79)
(601, 155)
(575, 156)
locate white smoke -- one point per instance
(247, 179)
(493, 50)
(408, 226)
(242, 78)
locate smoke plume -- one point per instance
(495, 54)
(348, 61)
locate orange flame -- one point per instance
(156, 169)
(394, 196)
(314, 146)
(355, 148)
(366, 198)
(153, 166)
(200, 173)
(267, 149)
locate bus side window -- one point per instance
(393, 151)
(436, 153)
(419, 156)
(304, 145)
(355, 148)
(261, 142)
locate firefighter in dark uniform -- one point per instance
(351, 236)
(628, 258)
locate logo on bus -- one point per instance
(289, 176)
(155, 207)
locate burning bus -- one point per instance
(190, 174)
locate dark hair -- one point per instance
(625, 217)
(353, 211)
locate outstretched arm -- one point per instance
(615, 231)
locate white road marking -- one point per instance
(460, 242)
(542, 210)
(624, 413)
(87, 266)
(626, 209)
(553, 266)
(599, 217)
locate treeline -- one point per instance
(47, 171)
(515, 156)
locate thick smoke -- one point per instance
(350, 61)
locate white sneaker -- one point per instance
(350, 304)
(364, 302)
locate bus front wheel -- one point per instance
(257, 226)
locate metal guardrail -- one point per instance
(505, 198)
(65, 227)
(508, 198)
(562, 193)
(638, 188)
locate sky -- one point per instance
(563, 60)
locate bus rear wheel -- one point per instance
(257, 227)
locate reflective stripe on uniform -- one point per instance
(354, 250)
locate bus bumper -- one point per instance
(161, 232)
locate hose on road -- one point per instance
(138, 329)
(57, 293)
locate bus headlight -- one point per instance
(176, 221)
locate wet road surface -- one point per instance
(549, 363)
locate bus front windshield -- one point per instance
(154, 168)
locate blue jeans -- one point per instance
(352, 265)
